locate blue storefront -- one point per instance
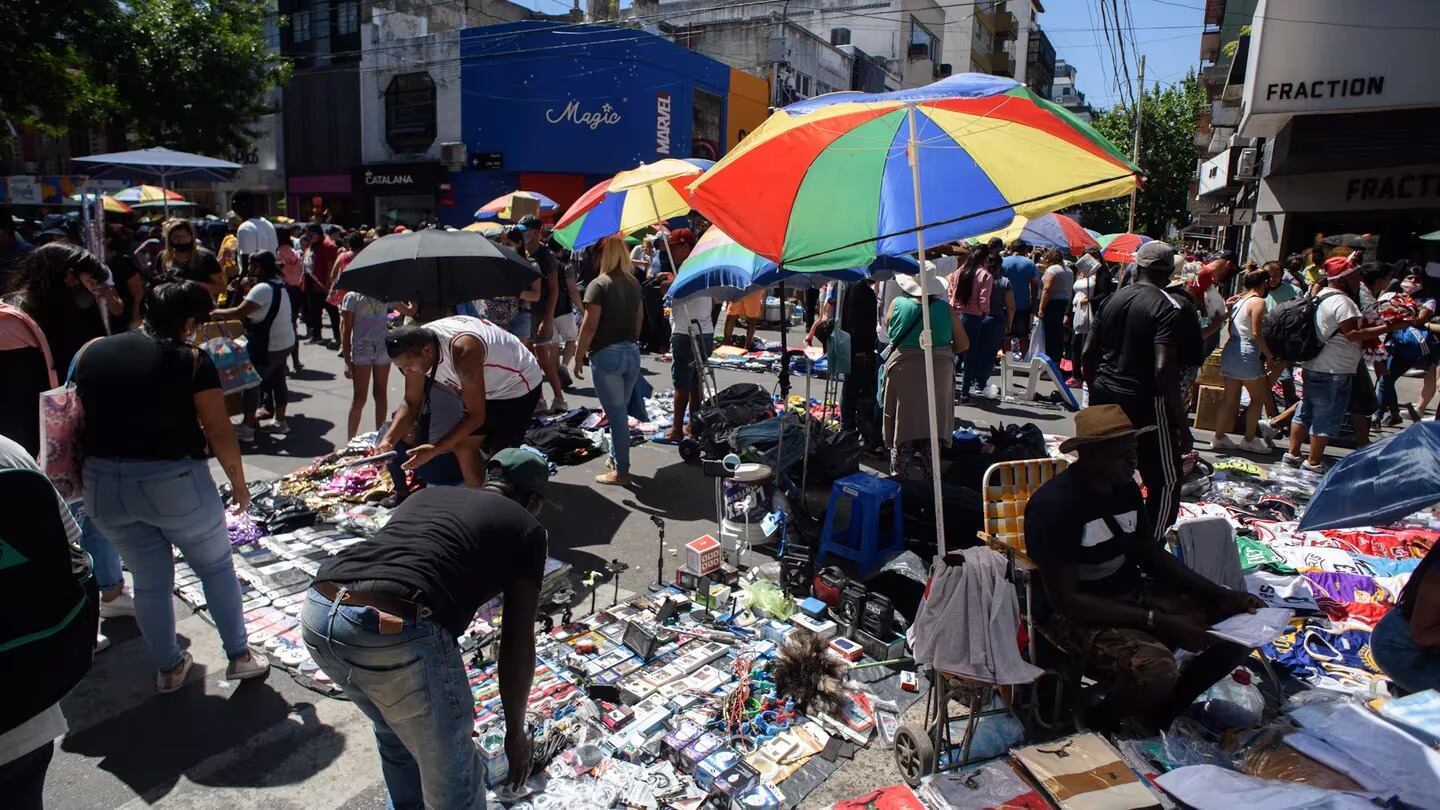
(555, 108)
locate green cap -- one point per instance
(523, 470)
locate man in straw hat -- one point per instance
(1114, 595)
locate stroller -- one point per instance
(721, 412)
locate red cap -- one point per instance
(1204, 280)
(1338, 267)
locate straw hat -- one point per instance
(1102, 423)
(910, 285)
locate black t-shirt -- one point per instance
(201, 267)
(1131, 323)
(122, 269)
(859, 317)
(544, 258)
(1065, 523)
(456, 547)
(1188, 344)
(138, 394)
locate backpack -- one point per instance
(1290, 329)
(47, 629)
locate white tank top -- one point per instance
(510, 369)
(1240, 322)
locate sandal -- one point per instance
(171, 681)
(614, 479)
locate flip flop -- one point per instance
(661, 438)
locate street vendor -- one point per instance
(382, 618)
(1115, 596)
(1406, 643)
(495, 376)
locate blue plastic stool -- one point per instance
(863, 542)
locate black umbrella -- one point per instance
(437, 268)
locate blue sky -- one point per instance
(1168, 32)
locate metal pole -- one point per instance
(655, 206)
(1135, 151)
(927, 336)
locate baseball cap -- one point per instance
(523, 470)
(1338, 267)
(1155, 255)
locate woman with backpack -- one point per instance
(1242, 363)
(154, 413)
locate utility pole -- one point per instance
(1135, 153)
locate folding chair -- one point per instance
(1005, 490)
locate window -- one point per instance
(410, 112)
(839, 36)
(1065, 91)
(921, 36)
(300, 26)
(347, 17)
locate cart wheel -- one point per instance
(914, 755)
(689, 450)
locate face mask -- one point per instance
(1410, 287)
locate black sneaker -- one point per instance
(394, 500)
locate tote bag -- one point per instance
(62, 425)
(232, 361)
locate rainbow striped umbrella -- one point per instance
(826, 182)
(136, 195)
(499, 208)
(834, 181)
(1057, 231)
(723, 269)
(1121, 247)
(112, 205)
(630, 201)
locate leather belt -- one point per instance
(385, 603)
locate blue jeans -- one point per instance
(148, 507)
(972, 325)
(616, 368)
(1413, 667)
(1325, 402)
(411, 683)
(104, 558)
(980, 359)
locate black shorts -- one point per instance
(1020, 327)
(506, 421)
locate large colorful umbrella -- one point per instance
(630, 201)
(112, 205)
(1057, 231)
(1121, 247)
(135, 195)
(833, 181)
(723, 269)
(485, 228)
(499, 208)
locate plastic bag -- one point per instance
(768, 598)
(232, 362)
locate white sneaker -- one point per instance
(1267, 430)
(1222, 441)
(240, 669)
(122, 605)
(1256, 445)
(244, 433)
(279, 426)
(102, 642)
(167, 682)
(1319, 469)
(540, 406)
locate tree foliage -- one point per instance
(188, 74)
(1167, 158)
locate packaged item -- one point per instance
(1084, 771)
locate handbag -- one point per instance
(838, 346)
(62, 428)
(232, 362)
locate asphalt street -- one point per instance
(278, 745)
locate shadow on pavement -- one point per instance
(149, 747)
(312, 374)
(306, 438)
(677, 492)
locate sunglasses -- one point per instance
(181, 245)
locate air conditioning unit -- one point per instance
(1247, 164)
(453, 156)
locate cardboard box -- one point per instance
(702, 555)
(1207, 407)
(1209, 373)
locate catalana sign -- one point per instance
(398, 178)
(1315, 56)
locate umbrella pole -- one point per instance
(927, 336)
(784, 384)
(655, 206)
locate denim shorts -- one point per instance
(1241, 360)
(684, 373)
(521, 326)
(1324, 403)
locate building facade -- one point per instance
(1345, 131)
(1064, 92)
